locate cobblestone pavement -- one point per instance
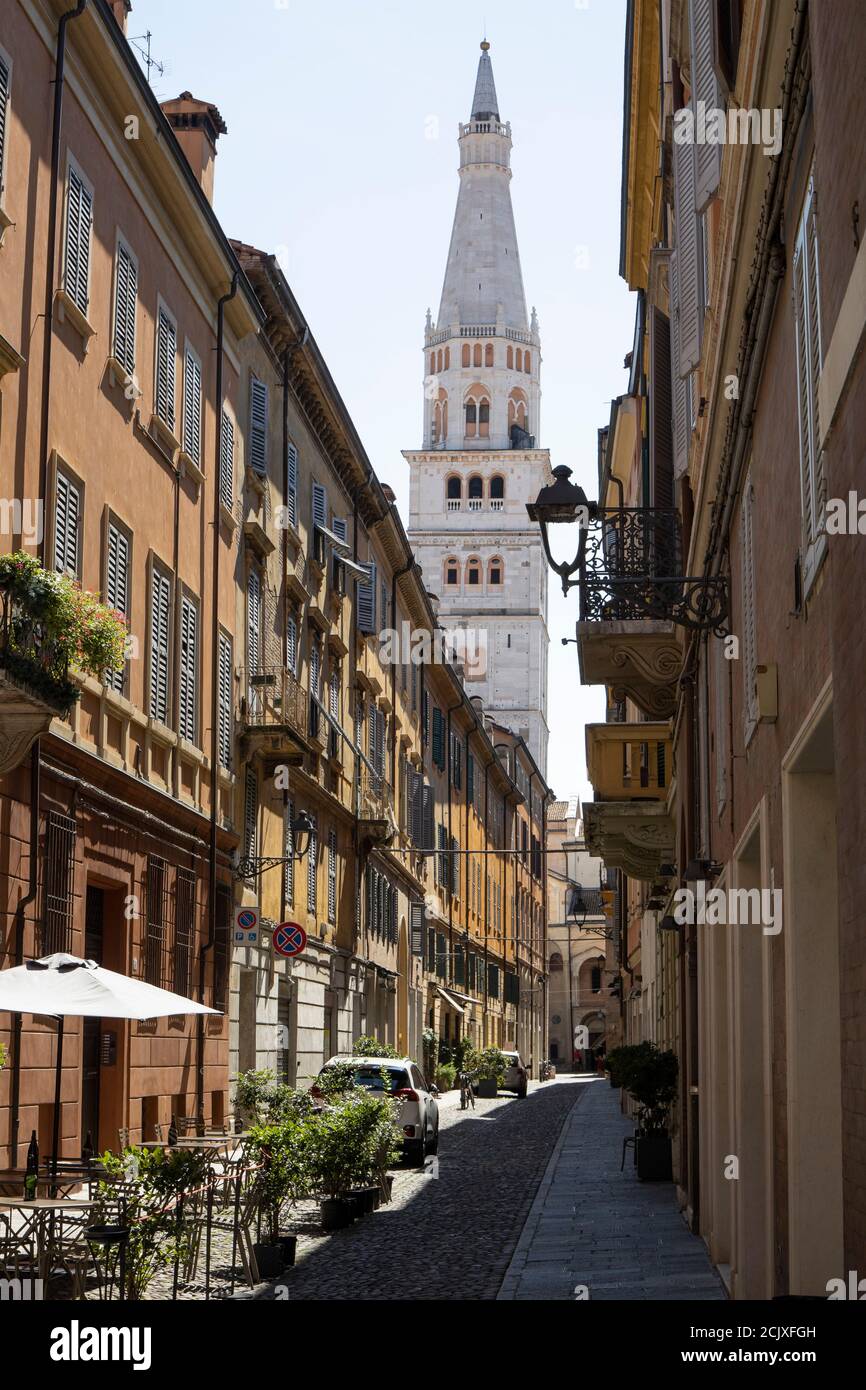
(450, 1230)
(596, 1232)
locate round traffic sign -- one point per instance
(247, 919)
(289, 939)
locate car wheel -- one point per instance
(521, 1095)
(433, 1146)
(418, 1152)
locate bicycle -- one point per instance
(467, 1095)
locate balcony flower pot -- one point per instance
(486, 1089)
(654, 1158)
(270, 1260)
(336, 1212)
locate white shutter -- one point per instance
(225, 701)
(117, 589)
(5, 84)
(320, 505)
(166, 352)
(192, 407)
(293, 484)
(159, 649)
(808, 344)
(289, 853)
(227, 462)
(125, 296)
(312, 866)
(332, 876)
(254, 620)
(188, 669)
(67, 514)
(705, 90)
(686, 246)
(258, 457)
(366, 601)
(79, 220)
(292, 643)
(749, 638)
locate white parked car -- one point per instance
(516, 1077)
(418, 1116)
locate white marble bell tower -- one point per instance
(479, 464)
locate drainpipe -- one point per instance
(395, 577)
(48, 335)
(214, 741)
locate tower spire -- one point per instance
(485, 106)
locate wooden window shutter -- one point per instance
(455, 867)
(312, 871)
(681, 425)
(366, 601)
(289, 852)
(67, 513)
(808, 345)
(192, 407)
(687, 249)
(750, 699)
(416, 929)
(160, 624)
(251, 800)
(292, 471)
(227, 462)
(332, 876)
(706, 92)
(79, 220)
(320, 505)
(125, 297)
(166, 354)
(188, 669)
(427, 818)
(292, 643)
(258, 457)
(5, 76)
(117, 590)
(661, 435)
(225, 700)
(254, 620)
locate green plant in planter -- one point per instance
(351, 1141)
(651, 1079)
(368, 1046)
(616, 1062)
(253, 1091)
(283, 1150)
(446, 1075)
(150, 1207)
(487, 1064)
(337, 1081)
(2, 1056)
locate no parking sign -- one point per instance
(246, 925)
(289, 939)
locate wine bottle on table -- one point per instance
(31, 1173)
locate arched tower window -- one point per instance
(555, 962)
(452, 572)
(473, 571)
(488, 355)
(517, 414)
(509, 357)
(518, 362)
(454, 490)
(497, 488)
(471, 417)
(447, 358)
(475, 493)
(484, 419)
(466, 358)
(432, 363)
(527, 361)
(439, 360)
(476, 355)
(495, 572)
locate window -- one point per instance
(160, 629)
(292, 493)
(156, 920)
(117, 589)
(473, 571)
(452, 572)
(79, 223)
(497, 488)
(166, 353)
(58, 883)
(184, 931)
(484, 419)
(251, 801)
(5, 89)
(188, 723)
(447, 358)
(555, 962)
(813, 482)
(750, 695)
(456, 760)
(518, 359)
(454, 492)
(192, 406)
(476, 486)
(471, 417)
(315, 684)
(493, 981)
(67, 526)
(332, 877)
(494, 572)
(509, 357)
(254, 620)
(366, 593)
(221, 945)
(488, 355)
(595, 979)
(292, 641)
(438, 738)
(227, 461)
(258, 455)
(312, 867)
(224, 696)
(334, 712)
(465, 358)
(527, 361)
(476, 355)
(125, 296)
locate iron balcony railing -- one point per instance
(31, 659)
(273, 699)
(375, 797)
(632, 569)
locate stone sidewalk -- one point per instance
(596, 1227)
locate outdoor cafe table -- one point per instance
(43, 1213)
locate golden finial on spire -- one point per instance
(484, 45)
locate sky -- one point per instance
(341, 157)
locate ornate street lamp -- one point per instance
(562, 503)
(302, 827)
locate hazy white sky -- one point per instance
(341, 157)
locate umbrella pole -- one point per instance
(55, 1139)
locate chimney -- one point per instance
(120, 9)
(197, 125)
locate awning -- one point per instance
(454, 999)
(339, 542)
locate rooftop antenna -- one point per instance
(150, 62)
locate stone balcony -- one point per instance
(629, 762)
(274, 713)
(33, 690)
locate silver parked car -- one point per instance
(517, 1076)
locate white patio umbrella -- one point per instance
(65, 986)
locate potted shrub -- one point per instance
(488, 1066)
(616, 1062)
(651, 1079)
(368, 1046)
(446, 1074)
(353, 1139)
(154, 1230)
(282, 1150)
